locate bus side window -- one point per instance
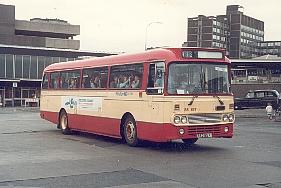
(155, 83)
(126, 76)
(45, 81)
(55, 80)
(95, 78)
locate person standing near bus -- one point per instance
(269, 110)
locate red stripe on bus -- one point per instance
(157, 132)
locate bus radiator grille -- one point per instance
(214, 129)
(204, 118)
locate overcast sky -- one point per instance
(120, 25)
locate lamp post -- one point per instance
(147, 26)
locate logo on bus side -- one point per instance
(69, 102)
(82, 103)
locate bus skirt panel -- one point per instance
(167, 132)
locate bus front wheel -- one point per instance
(130, 131)
(190, 141)
(64, 123)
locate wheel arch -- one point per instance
(59, 114)
(125, 115)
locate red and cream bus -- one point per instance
(159, 95)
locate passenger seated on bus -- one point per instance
(125, 82)
(86, 82)
(95, 82)
(64, 83)
(115, 82)
(136, 82)
(72, 83)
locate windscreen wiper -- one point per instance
(192, 100)
(219, 99)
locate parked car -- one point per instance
(258, 99)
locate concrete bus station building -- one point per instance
(252, 74)
(27, 47)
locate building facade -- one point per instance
(208, 31)
(258, 73)
(242, 36)
(27, 47)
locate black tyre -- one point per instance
(130, 131)
(63, 123)
(190, 141)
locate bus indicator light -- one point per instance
(181, 131)
(226, 129)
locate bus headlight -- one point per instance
(231, 117)
(177, 119)
(184, 119)
(225, 117)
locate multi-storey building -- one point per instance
(242, 36)
(269, 47)
(207, 31)
(27, 47)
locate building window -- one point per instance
(26, 66)
(18, 66)
(9, 66)
(2, 66)
(34, 68)
(41, 66)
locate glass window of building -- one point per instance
(18, 66)
(2, 66)
(48, 61)
(26, 66)
(55, 59)
(41, 66)
(9, 66)
(33, 68)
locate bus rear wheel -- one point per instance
(190, 141)
(130, 131)
(64, 123)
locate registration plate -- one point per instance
(204, 135)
